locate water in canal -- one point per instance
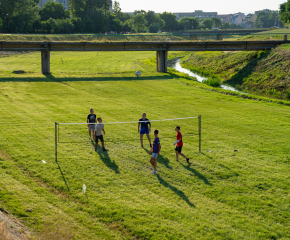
(175, 63)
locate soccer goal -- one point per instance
(76, 134)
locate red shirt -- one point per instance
(180, 143)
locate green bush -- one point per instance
(154, 28)
(213, 82)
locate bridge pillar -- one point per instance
(45, 62)
(220, 37)
(285, 37)
(161, 58)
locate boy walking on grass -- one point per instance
(98, 135)
(155, 151)
(91, 119)
(179, 144)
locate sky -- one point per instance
(220, 6)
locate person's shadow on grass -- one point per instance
(161, 159)
(196, 173)
(174, 189)
(106, 158)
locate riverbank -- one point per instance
(264, 73)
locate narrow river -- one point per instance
(175, 63)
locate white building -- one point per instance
(236, 19)
(64, 3)
(198, 13)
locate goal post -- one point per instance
(129, 122)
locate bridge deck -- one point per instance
(141, 46)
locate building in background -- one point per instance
(237, 18)
(42, 2)
(111, 5)
(249, 21)
(225, 18)
(198, 13)
(64, 3)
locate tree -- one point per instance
(117, 9)
(81, 8)
(208, 23)
(217, 22)
(267, 19)
(126, 26)
(225, 26)
(188, 23)
(171, 24)
(18, 15)
(151, 17)
(154, 21)
(53, 10)
(284, 11)
(138, 22)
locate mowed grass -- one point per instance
(217, 196)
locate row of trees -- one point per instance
(88, 16)
(284, 12)
(268, 19)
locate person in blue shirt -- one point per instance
(145, 128)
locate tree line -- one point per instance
(91, 16)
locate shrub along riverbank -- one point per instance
(263, 72)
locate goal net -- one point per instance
(73, 138)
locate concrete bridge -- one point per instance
(161, 48)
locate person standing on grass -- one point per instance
(179, 144)
(145, 128)
(91, 119)
(98, 135)
(155, 151)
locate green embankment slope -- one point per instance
(264, 72)
(217, 196)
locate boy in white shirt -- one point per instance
(98, 134)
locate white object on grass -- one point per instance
(43, 161)
(84, 189)
(138, 73)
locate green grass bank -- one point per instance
(265, 72)
(222, 194)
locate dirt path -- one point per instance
(11, 228)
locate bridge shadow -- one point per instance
(196, 173)
(175, 190)
(104, 156)
(52, 78)
(238, 78)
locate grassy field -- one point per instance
(221, 194)
(95, 37)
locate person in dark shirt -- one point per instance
(145, 128)
(155, 151)
(91, 119)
